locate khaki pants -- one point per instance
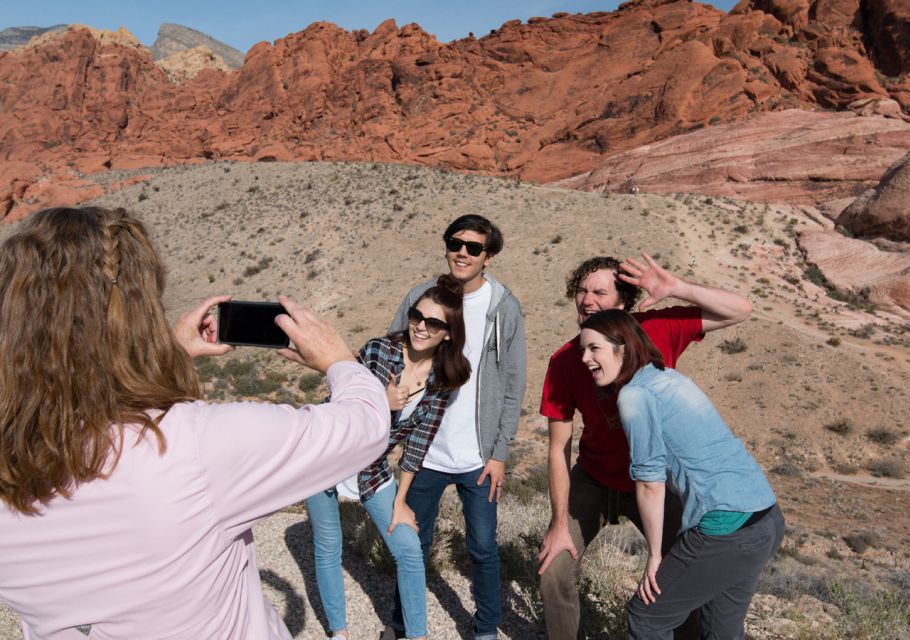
(591, 507)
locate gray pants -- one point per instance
(591, 507)
(718, 574)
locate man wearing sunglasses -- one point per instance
(597, 490)
(472, 443)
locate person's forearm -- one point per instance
(720, 308)
(405, 478)
(558, 461)
(650, 497)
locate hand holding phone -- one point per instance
(251, 324)
(195, 330)
(317, 344)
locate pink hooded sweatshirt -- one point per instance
(163, 548)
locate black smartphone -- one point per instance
(251, 324)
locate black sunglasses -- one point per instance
(454, 245)
(433, 325)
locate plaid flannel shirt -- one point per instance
(384, 357)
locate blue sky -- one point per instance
(243, 24)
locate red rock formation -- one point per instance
(883, 212)
(789, 157)
(542, 100)
(883, 277)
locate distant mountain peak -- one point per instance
(15, 37)
(175, 38)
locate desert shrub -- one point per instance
(787, 469)
(868, 614)
(359, 532)
(887, 468)
(861, 541)
(309, 382)
(531, 487)
(734, 345)
(833, 341)
(866, 331)
(207, 369)
(251, 385)
(235, 368)
(883, 435)
(253, 269)
(841, 427)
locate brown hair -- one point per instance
(84, 347)
(628, 293)
(451, 368)
(622, 330)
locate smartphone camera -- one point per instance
(251, 324)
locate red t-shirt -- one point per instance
(568, 385)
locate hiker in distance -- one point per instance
(472, 444)
(594, 492)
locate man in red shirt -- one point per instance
(597, 490)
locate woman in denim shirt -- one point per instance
(731, 524)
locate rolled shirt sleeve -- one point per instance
(641, 423)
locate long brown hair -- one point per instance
(451, 368)
(84, 347)
(622, 330)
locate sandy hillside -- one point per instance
(817, 389)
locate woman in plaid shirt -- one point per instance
(420, 368)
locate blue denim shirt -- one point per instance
(676, 436)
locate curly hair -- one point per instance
(628, 293)
(85, 349)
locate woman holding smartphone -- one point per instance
(420, 367)
(731, 523)
(126, 502)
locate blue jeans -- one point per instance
(403, 544)
(480, 526)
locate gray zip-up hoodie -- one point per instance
(502, 371)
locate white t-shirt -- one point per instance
(349, 488)
(455, 448)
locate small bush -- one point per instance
(309, 382)
(861, 541)
(883, 435)
(736, 345)
(787, 469)
(833, 341)
(841, 427)
(887, 468)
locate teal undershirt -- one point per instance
(721, 523)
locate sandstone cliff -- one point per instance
(540, 101)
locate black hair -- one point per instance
(473, 222)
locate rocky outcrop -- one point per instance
(13, 37)
(788, 157)
(174, 38)
(883, 212)
(185, 65)
(861, 268)
(542, 100)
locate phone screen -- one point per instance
(251, 324)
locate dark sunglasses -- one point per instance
(454, 245)
(433, 325)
